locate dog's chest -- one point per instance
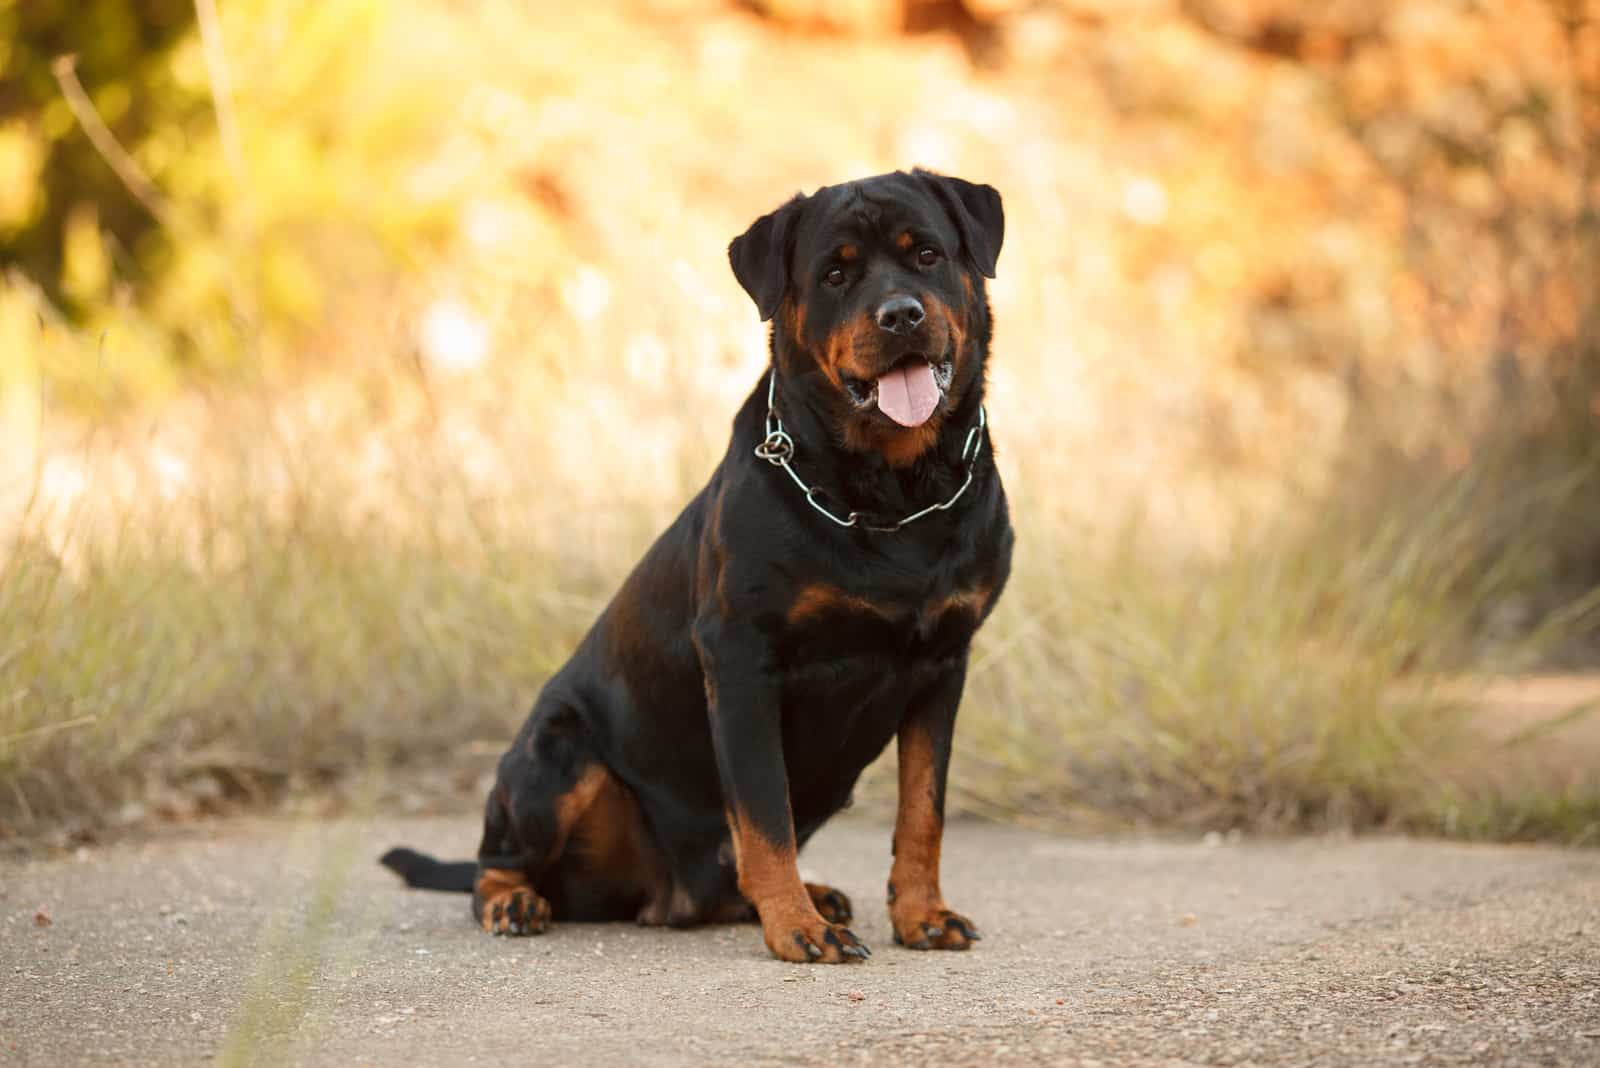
(852, 663)
(828, 627)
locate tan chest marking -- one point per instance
(820, 599)
(971, 601)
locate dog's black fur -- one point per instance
(760, 655)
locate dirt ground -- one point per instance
(274, 943)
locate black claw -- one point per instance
(859, 952)
(932, 932)
(832, 939)
(891, 893)
(964, 925)
(811, 950)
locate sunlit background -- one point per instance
(351, 351)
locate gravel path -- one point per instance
(279, 943)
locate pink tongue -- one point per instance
(908, 394)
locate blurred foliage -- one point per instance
(1292, 215)
(255, 242)
(65, 219)
(1334, 202)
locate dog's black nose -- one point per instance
(900, 315)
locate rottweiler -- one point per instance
(817, 598)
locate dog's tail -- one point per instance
(426, 873)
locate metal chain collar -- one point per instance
(778, 449)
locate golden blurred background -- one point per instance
(351, 351)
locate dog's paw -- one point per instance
(932, 927)
(504, 904)
(833, 904)
(515, 912)
(814, 941)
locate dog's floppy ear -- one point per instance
(760, 257)
(977, 214)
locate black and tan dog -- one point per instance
(817, 598)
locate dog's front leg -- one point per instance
(747, 732)
(916, 905)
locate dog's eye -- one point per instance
(834, 277)
(927, 255)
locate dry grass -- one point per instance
(325, 588)
(1314, 675)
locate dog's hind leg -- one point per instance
(546, 782)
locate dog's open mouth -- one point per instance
(909, 392)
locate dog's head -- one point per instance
(877, 289)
